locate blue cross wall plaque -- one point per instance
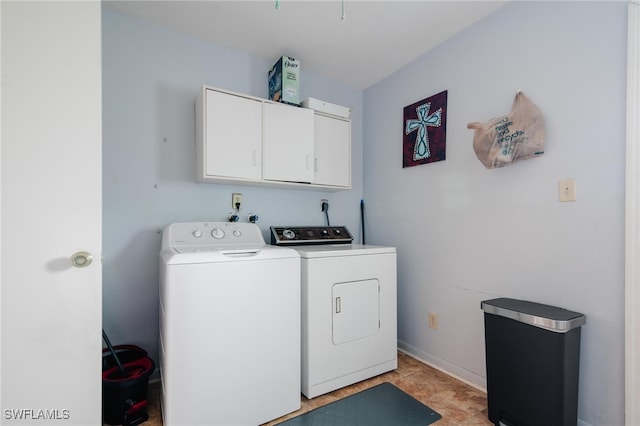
(425, 131)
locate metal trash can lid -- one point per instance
(548, 317)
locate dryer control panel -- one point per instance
(297, 235)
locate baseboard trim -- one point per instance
(472, 379)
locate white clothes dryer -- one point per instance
(349, 307)
(229, 326)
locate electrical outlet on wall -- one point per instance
(236, 200)
(433, 320)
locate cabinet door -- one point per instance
(232, 136)
(332, 148)
(287, 143)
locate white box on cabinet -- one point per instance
(327, 108)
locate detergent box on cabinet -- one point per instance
(284, 81)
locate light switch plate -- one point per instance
(567, 188)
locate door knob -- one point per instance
(81, 259)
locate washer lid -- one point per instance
(210, 242)
(202, 254)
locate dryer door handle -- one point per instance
(338, 307)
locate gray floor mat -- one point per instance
(381, 405)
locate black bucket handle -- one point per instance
(115, 356)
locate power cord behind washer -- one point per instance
(325, 209)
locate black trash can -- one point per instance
(124, 397)
(533, 362)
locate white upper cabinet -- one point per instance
(332, 148)
(287, 143)
(229, 141)
(247, 140)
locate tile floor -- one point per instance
(458, 403)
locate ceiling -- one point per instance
(374, 39)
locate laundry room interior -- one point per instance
(462, 233)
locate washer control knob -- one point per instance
(236, 233)
(197, 233)
(288, 234)
(217, 233)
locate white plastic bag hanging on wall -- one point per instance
(516, 136)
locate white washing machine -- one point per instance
(229, 326)
(349, 307)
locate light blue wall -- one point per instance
(466, 234)
(151, 77)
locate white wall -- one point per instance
(151, 77)
(466, 234)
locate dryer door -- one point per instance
(356, 310)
